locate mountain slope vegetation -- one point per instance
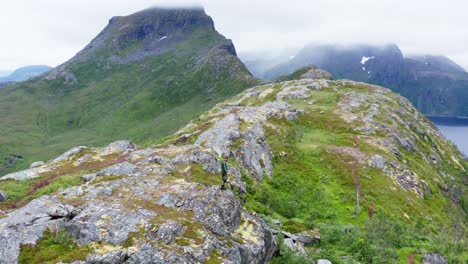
(341, 170)
(141, 78)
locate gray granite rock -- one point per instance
(433, 258)
(208, 160)
(22, 175)
(88, 177)
(168, 231)
(117, 147)
(377, 161)
(219, 211)
(114, 257)
(67, 155)
(110, 223)
(124, 168)
(36, 164)
(221, 135)
(27, 224)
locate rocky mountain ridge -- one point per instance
(162, 204)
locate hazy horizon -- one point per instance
(49, 32)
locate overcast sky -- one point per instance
(51, 31)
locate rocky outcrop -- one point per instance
(36, 164)
(26, 225)
(433, 258)
(68, 154)
(110, 223)
(163, 204)
(22, 175)
(314, 72)
(117, 147)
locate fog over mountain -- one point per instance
(58, 29)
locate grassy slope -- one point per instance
(141, 101)
(314, 188)
(324, 194)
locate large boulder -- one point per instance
(68, 154)
(117, 147)
(27, 224)
(110, 223)
(36, 164)
(219, 211)
(22, 175)
(168, 231)
(124, 168)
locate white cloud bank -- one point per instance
(51, 31)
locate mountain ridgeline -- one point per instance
(141, 78)
(320, 170)
(434, 84)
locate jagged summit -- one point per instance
(150, 32)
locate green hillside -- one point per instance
(361, 166)
(141, 78)
(352, 169)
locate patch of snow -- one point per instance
(164, 37)
(363, 68)
(366, 59)
(292, 57)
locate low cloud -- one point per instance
(52, 31)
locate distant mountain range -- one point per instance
(434, 84)
(24, 73)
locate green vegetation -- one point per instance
(142, 101)
(312, 187)
(22, 192)
(53, 247)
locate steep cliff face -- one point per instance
(335, 169)
(143, 77)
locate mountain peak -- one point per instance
(147, 33)
(153, 29)
(163, 20)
